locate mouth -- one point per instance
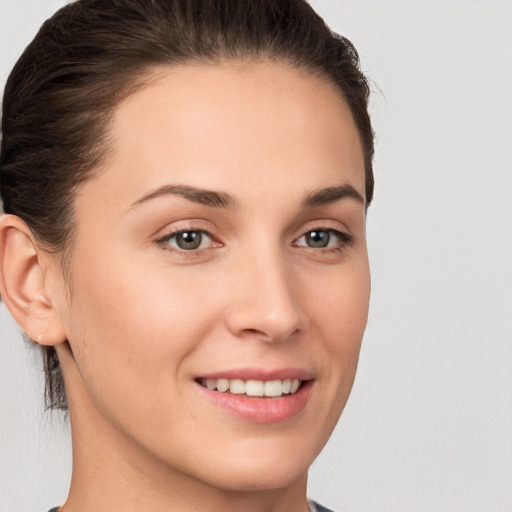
(253, 388)
(258, 395)
(259, 398)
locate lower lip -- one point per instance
(261, 410)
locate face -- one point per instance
(220, 255)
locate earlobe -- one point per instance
(22, 283)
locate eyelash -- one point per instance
(346, 240)
(164, 241)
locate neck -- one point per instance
(110, 472)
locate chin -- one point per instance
(252, 478)
(267, 468)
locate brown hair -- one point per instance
(91, 54)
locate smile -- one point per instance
(253, 388)
(258, 395)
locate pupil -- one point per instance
(318, 239)
(189, 240)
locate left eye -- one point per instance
(189, 240)
(322, 239)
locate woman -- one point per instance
(185, 186)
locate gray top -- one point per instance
(313, 507)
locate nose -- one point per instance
(265, 300)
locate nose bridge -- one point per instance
(265, 303)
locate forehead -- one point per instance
(232, 126)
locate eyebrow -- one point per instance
(196, 195)
(216, 199)
(331, 195)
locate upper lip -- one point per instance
(263, 374)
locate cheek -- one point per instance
(132, 331)
(341, 309)
(339, 316)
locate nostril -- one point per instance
(268, 335)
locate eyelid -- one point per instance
(181, 225)
(175, 234)
(162, 240)
(346, 238)
(324, 224)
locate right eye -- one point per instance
(188, 240)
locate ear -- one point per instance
(23, 272)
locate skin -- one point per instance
(140, 319)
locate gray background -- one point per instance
(429, 423)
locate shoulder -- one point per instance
(316, 507)
(319, 508)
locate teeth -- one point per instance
(274, 388)
(255, 388)
(237, 387)
(270, 388)
(222, 385)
